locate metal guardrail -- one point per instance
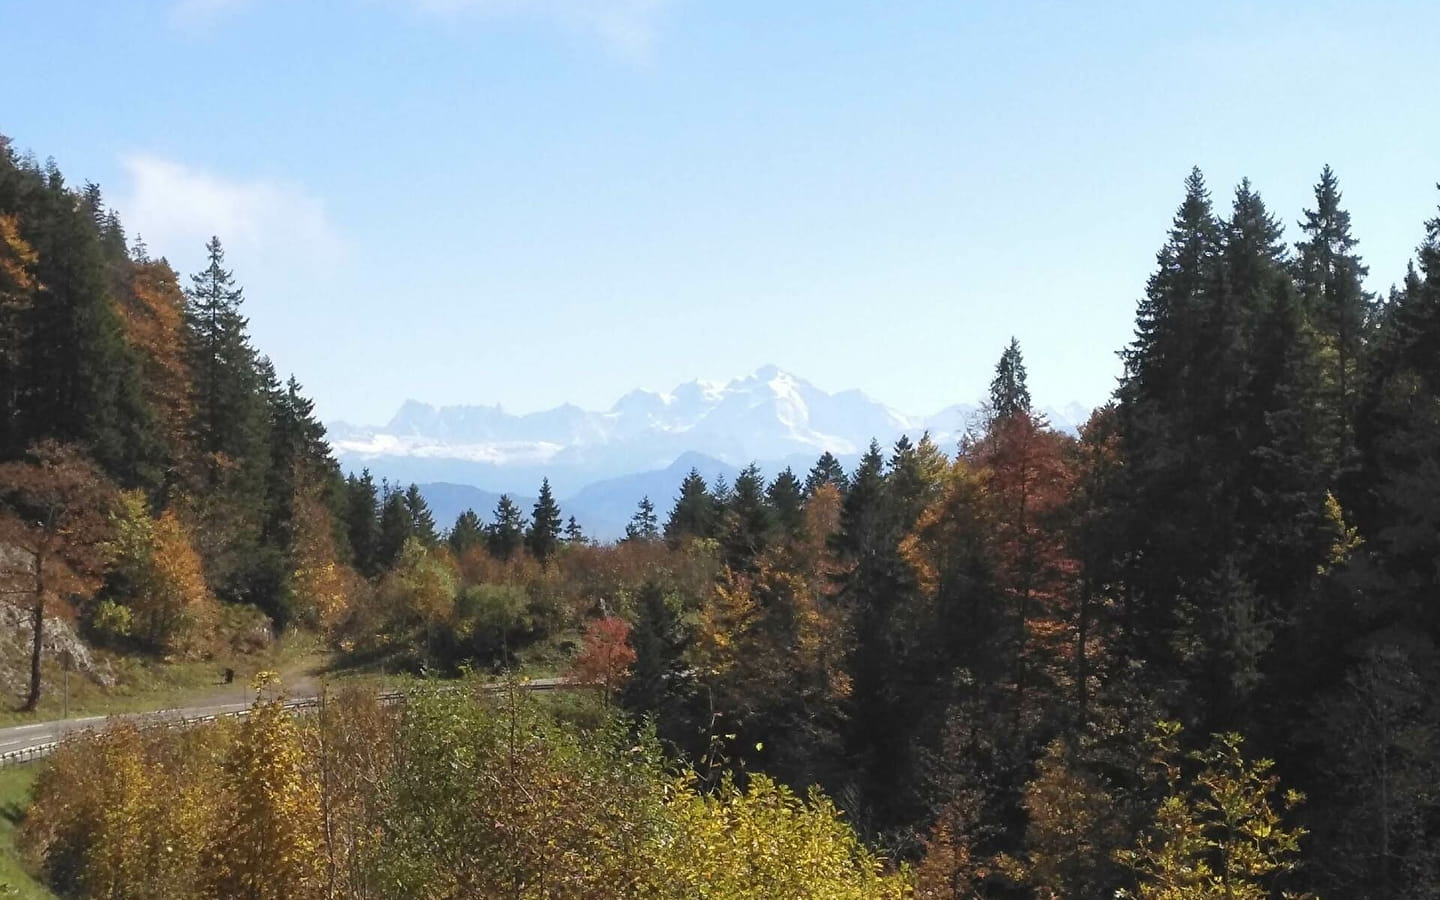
(27, 754)
(39, 751)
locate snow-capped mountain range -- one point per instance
(770, 416)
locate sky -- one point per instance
(531, 202)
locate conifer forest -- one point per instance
(1190, 653)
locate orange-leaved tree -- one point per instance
(54, 526)
(157, 579)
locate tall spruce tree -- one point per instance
(859, 537)
(422, 523)
(229, 398)
(299, 456)
(748, 521)
(1009, 394)
(1159, 363)
(396, 526)
(693, 515)
(827, 470)
(1166, 450)
(543, 538)
(574, 534)
(506, 533)
(786, 498)
(362, 522)
(1400, 441)
(643, 526)
(467, 532)
(720, 497)
(659, 639)
(1330, 277)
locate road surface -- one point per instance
(26, 742)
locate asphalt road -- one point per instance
(24, 742)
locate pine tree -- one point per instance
(827, 470)
(299, 455)
(1400, 441)
(422, 523)
(1009, 394)
(658, 638)
(396, 526)
(1159, 363)
(748, 521)
(643, 526)
(1330, 277)
(859, 536)
(506, 532)
(912, 480)
(467, 532)
(1225, 474)
(362, 522)
(787, 501)
(693, 515)
(574, 535)
(229, 402)
(1164, 434)
(876, 586)
(543, 538)
(721, 496)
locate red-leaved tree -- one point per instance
(607, 656)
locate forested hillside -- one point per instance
(1031, 665)
(161, 486)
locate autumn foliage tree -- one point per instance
(152, 310)
(273, 847)
(1029, 484)
(606, 656)
(156, 578)
(17, 260)
(53, 534)
(1219, 832)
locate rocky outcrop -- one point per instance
(59, 637)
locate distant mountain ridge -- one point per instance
(601, 463)
(769, 414)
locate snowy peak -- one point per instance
(769, 414)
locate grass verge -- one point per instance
(147, 684)
(15, 880)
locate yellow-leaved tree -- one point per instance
(1217, 834)
(322, 585)
(272, 847)
(157, 580)
(765, 841)
(125, 814)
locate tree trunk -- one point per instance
(38, 622)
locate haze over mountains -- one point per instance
(601, 463)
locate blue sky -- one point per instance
(538, 201)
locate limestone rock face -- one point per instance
(59, 637)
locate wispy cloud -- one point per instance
(176, 208)
(627, 27)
